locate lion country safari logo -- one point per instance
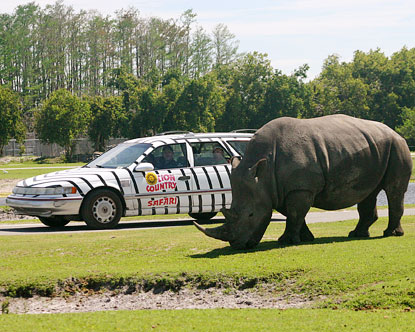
(151, 179)
(160, 182)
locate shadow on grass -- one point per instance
(270, 245)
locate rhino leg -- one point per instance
(305, 233)
(395, 184)
(396, 208)
(368, 214)
(297, 205)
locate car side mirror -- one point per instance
(144, 167)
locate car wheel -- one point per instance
(102, 209)
(55, 221)
(203, 216)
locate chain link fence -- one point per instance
(34, 147)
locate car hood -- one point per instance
(83, 178)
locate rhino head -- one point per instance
(251, 209)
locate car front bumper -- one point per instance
(45, 207)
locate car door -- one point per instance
(166, 189)
(211, 177)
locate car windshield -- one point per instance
(122, 155)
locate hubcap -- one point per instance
(104, 210)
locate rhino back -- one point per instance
(340, 159)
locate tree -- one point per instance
(11, 125)
(202, 53)
(247, 82)
(199, 105)
(62, 118)
(285, 96)
(407, 129)
(225, 45)
(338, 90)
(105, 113)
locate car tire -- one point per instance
(102, 209)
(203, 216)
(55, 221)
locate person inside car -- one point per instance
(218, 156)
(167, 159)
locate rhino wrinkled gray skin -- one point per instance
(331, 163)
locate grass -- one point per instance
(27, 173)
(352, 274)
(358, 284)
(214, 320)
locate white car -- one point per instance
(164, 174)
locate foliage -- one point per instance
(407, 129)
(45, 49)
(256, 94)
(62, 118)
(105, 114)
(11, 125)
(171, 74)
(199, 104)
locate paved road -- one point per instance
(77, 227)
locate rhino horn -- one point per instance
(219, 233)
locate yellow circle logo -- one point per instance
(151, 178)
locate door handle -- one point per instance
(184, 178)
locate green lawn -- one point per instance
(14, 171)
(214, 320)
(367, 273)
(358, 284)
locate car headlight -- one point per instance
(44, 191)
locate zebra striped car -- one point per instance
(163, 174)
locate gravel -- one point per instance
(183, 299)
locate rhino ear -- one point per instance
(259, 169)
(235, 161)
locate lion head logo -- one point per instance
(151, 178)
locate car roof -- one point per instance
(189, 135)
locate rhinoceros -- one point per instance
(331, 162)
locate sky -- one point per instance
(291, 32)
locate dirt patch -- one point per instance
(6, 215)
(7, 185)
(183, 299)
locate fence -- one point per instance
(34, 147)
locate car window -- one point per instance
(209, 153)
(168, 156)
(239, 146)
(122, 155)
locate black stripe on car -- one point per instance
(210, 187)
(198, 188)
(63, 180)
(132, 179)
(77, 187)
(118, 181)
(220, 184)
(153, 209)
(188, 189)
(140, 208)
(102, 180)
(87, 182)
(178, 198)
(229, 172)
